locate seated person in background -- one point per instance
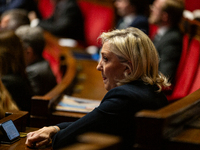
(129, 68)
(166, 14)
(12, 70)
(38, 70)
(66, 21)
(28, 5)
(132, 13)
(12, 19)
(6, 102)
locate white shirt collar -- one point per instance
(162, 30)
(129, 19)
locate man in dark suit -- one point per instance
(166, 14)
(132, 14)
(66, 21)
(38, 70)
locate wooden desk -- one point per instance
(20, 145)
(19, 119)
(89, 81)
(87, 141)
(89, 85)
(81, 79)
(176, 126)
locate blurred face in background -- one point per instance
(156, 12)
(123, 7)
(5, 21)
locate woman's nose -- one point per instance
(99, 66)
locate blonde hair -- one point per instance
(6, 102)
(135, 50)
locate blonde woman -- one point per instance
(6, 102)
(129, 68)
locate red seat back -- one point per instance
(152, 30)
(187, 70)
(98, 18)
(196, 82)
(191, 5)
(46, 8)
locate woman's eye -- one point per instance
(105, 59)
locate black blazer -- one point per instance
(169, 48)
(41, 77)
(115, 114)
(20, 90)
(140, 22)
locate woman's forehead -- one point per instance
(106, 48)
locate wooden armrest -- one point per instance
(19, 118)
(97, 141)
(42, 105)
(153, 127)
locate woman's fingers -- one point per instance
(40, 137)
(31, 139)
(42, 143)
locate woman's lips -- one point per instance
(104, 78)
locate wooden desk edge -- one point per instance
(177, 107)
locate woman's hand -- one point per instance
(41, 137)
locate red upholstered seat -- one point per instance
(54, 64)
(51, 53)
(152, 30)
(191, 5)
(196, 82)
(183, 56)
(98, 18)
(46, 8)
(187, 71)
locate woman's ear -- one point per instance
(128, 68)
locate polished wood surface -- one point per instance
(19, 118)
(89, 81)
(175, 126)
(89, 85)
(80, 79)
(95, 141)
(20, 145)
(87, 141)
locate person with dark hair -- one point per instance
(12, 19)
(129, 68)
(38, 70)
(12, 70)
(66, 20)
(133, 13)
(167, 14)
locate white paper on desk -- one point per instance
(66, 42)
(74, 104)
